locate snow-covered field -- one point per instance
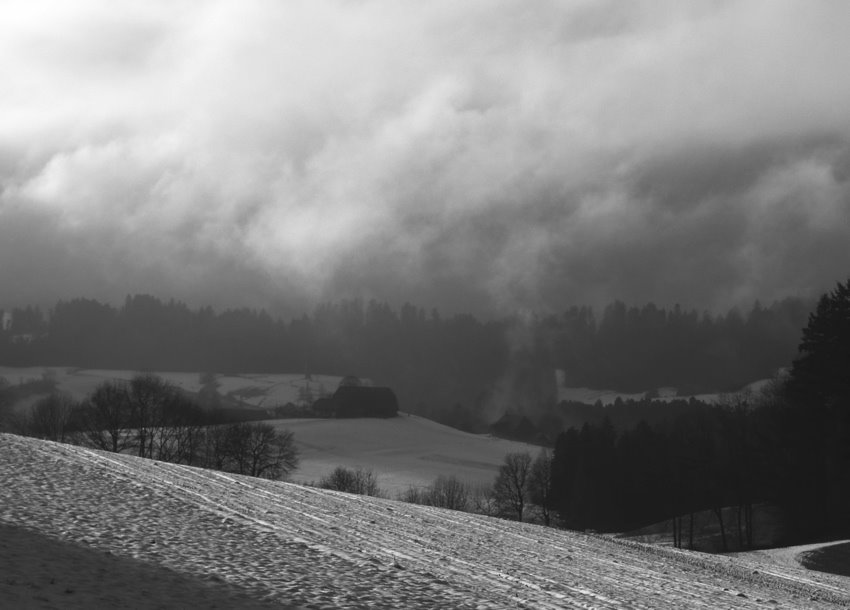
(403, 451)
(258, 390)
(270, 390)
(284, 543)
(607, 397)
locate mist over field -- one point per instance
(468, 156)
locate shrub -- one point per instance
(357, 481)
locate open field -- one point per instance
(403, 451)
(222, 537)
(270, 390)
(607, 397)
(260, 390)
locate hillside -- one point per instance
(403, 451)
(288, 544)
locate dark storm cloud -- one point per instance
(477, 155)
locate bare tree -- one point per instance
(447, 492)
(179, 440)
(357, 481)
(511, 485)
(107, 420)
(483, 500)
(253, 449)
(270, 453)
(215, 448)
(412, 495)
(151, 397)
(51, 417)
(540, 485)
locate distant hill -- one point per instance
(403, 451)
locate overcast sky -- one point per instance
(481, 156)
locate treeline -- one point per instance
(637, 463)
(458, 369)
(151, 418)
(787, 446)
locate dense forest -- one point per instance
(458, 369)
(788, 445)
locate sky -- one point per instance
(477, 156)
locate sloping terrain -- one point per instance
(832, 557)
(403, 451)
(280, 542)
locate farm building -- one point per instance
(365, 401)
(324, 407)
(350, 380)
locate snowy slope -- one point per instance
(293, 544)
(403, 451)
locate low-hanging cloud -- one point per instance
(472, 156)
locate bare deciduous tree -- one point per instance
(151, 398)
(270, 453)
(511, 485)
(106, 419)
(51, 417)
(448, 492)
(540, 485)
(253, 449)
(357, 481)
(483, 500)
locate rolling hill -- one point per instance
(403, 451)
(212, 534)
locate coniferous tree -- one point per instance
(817, 422)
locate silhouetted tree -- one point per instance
(819, 375)
(817, 425)
(356, 481)
(150, 397)
(540, 485)
(447, 492)
(51, 417)
(511, 486)
(253, 449)
(106, 418)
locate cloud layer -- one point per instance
(482, 156)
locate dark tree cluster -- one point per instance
(352, 401)
(705, 459)
(359, 481)
(458, 370)
(151, 418)
(635, 349)
(790, 446)
(445, 492)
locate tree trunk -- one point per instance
(740, 526)
(691, 532)
(719, 512)
(748, 512)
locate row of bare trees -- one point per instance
(152, 418)
(521, 491)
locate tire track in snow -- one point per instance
(328, 549)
